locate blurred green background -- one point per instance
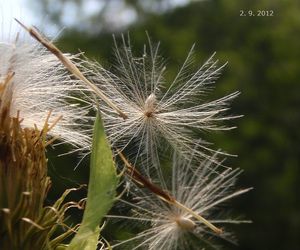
(264, 64)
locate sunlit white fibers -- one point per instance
(41, 85)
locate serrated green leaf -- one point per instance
(101, 191)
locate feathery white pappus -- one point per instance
(159, 113)
(204, 190)
(41, 87)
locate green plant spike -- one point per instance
(101, 191)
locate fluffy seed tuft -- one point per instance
(199, 190)
(160, 113)
(40, 85)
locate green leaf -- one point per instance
(101, 191)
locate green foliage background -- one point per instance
(264, 64)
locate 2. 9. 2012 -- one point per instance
(263, 13)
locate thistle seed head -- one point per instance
(27, 222)
(160, 114)
(197, 190)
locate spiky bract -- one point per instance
(26, 222)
